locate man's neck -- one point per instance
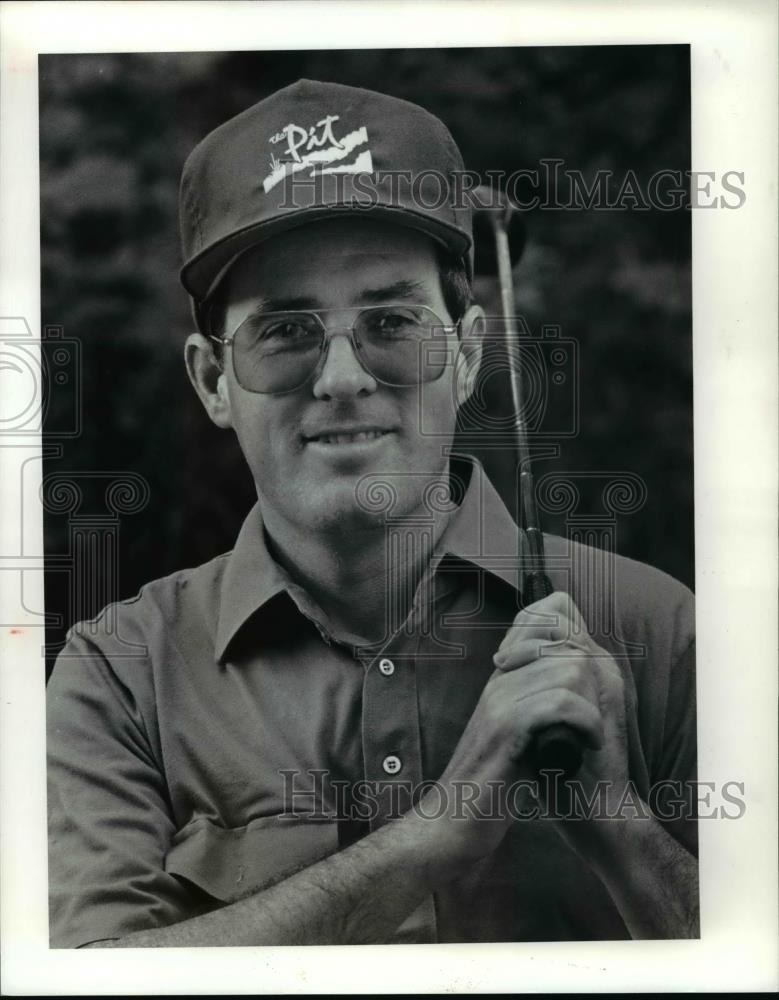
(362, 579)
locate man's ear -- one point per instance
(469, 355)
(208, 378)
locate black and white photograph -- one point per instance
(325, 737)
(364, 428)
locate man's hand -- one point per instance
(549, 670)
(552, 634)
(566, 672)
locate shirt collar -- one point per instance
(481, 532)
(251, 579)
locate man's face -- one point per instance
(310, 448)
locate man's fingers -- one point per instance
(559, 603)
(523, 651)
(561, 706)
(552, 618)
(542, 632)
(571, 673)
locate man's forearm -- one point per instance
(358, 896)
(652, 879)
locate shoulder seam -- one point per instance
(128, 601)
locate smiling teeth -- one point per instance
(349, 438)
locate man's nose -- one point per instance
(341, 375)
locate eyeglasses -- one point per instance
(398, 345)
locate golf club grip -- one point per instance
(559, 747)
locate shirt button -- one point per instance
(391, 764)
(387, 667)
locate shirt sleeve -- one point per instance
(657, 618)
(110, 824)
(675, 784)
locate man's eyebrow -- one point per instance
(282, 304)
(398, 291)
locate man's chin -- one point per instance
(354, 500)
(349, 508)
(369, 500)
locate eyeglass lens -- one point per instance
(279, 352)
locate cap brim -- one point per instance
(202, 273)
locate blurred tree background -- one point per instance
(114, 133)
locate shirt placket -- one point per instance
(392, 744)
(391, 739)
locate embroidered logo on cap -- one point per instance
(316, 149)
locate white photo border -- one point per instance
(734, 127)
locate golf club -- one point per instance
(559, 747)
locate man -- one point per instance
(323, 736)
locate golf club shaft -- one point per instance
(558, 747)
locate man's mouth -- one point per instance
(342, 437)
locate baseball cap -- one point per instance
(311, 151)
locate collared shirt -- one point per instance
(216, 733)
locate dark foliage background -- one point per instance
(114, 133)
